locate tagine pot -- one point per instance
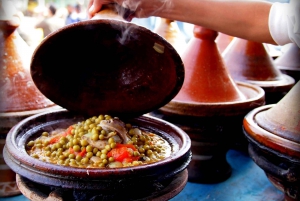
(223, 41)
(169, 30)
(289, 62)
(274, 144)
(19, 96)
(123, 78)
(248, 61)
(210, 108)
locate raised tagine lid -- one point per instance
(249, 61)
(107, 65)
(208, 87)
(277, 126)
(17, 90)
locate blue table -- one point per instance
(247, 183)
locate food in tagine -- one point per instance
(99, 142)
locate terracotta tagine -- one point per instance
(223, 41)
(169, 30)
(19, 96)
(210, 107)
(289, 62)
(101, 73)
(273, 132)
(248, 61)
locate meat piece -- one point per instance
(117, 126)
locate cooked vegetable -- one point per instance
(99, 142)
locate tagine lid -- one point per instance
(277, 126)
(283, 119)
(107, 66)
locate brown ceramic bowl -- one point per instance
(96, 182)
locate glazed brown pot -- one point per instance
(19, 97)
(104, 66)
(84, 184)
(274, 143)
(248, 61)
(210, 107)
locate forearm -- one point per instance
(244, 19)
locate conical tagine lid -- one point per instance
(207, 79)
(290, 59)
(283, 119)
(17, 90)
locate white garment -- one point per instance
(284, 22)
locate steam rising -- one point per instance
(135, 6)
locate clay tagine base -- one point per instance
(279, 169)
(159, 192)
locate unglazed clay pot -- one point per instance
(210, 107)
(289, 62)
(104, 71)
(19, 97)
(223, 41)
(273, 132)
(169, 30)
(248, 61)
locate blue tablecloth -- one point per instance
(247, 183)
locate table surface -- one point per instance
(248, 182)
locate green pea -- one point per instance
(71, 156)
(46, 134)
(95, 137)
(89, 154)
(89, 148)
(30, 143)
(76, 148)
(84, 142)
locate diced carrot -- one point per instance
(82, 153)
(122, 153)
(55, 139)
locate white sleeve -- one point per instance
(284, 22)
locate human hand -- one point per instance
(139, 8)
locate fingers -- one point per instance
(94, 6)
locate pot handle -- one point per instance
(289, 174)
(114, 11)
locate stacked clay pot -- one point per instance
(248, 61)
(289, 62)
(223, 41)
(210, 107)
(274, 144)
(19, 96)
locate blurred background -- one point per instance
(36, 23)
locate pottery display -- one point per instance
(210, 107)
(274, 144)
(121, 74)
(289, 62)
(18, 94)
(248, 61)
(169, 30)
